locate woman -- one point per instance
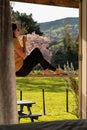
(24, 65)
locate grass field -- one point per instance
(55, 97)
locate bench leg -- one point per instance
(32, 120)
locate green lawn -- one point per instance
(55, 97)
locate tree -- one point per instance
(59, 57)
(68, 52)
(25, 22)
(28, 22)
(71, 48)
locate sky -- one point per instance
(45, 13)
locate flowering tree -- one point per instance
(34, 40)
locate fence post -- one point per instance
(21, 95)
(20, 99)
(43, 97)
(66, 99)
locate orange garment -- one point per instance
(18, 59)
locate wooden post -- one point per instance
(20, 95)
(43, 96)
(83, 60)
(8, 101)
(66, 99)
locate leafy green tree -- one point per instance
(68, 52)
(71, 48)
(59, 57)
(25, 22)
(28, 22)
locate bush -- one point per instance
(72, 84)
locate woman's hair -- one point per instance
(14, 27)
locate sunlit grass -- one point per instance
(55, 97)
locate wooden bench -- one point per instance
(31, 116)
(22, 114)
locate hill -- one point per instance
(55, 29)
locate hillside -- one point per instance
(55, 29)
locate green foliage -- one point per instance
(25, 22)
(58, 57)
(71, 48)
(72, 84)
(68, 51)
(28, 22)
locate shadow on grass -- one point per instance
(52, 84)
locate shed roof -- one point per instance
(63, 3)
